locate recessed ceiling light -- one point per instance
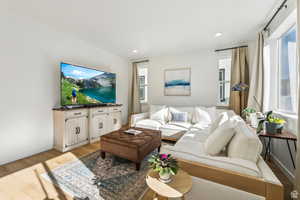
(134, 51)
(218, 34)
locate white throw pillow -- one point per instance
(159, 113)
(219, 121)
(245, 144)
(212, 111)
(219, 138)
(201, 116)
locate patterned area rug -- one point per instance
(94, 178)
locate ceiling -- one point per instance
(153, 27)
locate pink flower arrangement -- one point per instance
(164, 163)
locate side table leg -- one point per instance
(288, 144)
(268, 149)
(102, 154)
(137, 166)
(158, 149)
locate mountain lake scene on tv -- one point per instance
(86, 86)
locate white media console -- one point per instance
(79, 126)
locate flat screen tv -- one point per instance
(82, 86)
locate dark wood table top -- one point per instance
(284, 135)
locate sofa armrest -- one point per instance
(137, 117)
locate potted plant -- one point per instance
(273, 124)
(165, 165)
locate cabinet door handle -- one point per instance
(115, 121)
(100, 110)
(79, 113)
(100, 125)
(77, 130)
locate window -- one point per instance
(142, 87)
(143, 81)
(287, 73)
(224, 80)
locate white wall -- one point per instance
(204, 78)
(29, 81)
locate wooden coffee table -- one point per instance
(180, 185)
(131, 147)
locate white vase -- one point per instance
(253, 120)
(165, 177)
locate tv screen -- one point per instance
(81, 86)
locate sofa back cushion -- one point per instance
(219, 138)
(188, 110)
(223, 117)
(245, 144)
(159, 113)
(201, 115)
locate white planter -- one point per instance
(165, 177)
(253, 120)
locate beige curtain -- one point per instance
(256, 87)
(297, 171)
(135, 105)
(239, 74)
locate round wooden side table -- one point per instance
(180, 185)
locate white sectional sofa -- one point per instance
(160, 117)
(218, 149)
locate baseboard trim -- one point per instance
(281, 166)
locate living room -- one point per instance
(176, 69)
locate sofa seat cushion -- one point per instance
(194, 151)
(177, 126)
(149, 124)
(194, 136)
(200, 126)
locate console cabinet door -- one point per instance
(115, 119)
(82, 129)
(71, 132)
(76, 131)
(99, 125)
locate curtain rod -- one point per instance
(282, 5)
(141, 61)
(217, 50)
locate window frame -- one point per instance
(278, 70)
(223, 56)
(144, 87)
(146, 84)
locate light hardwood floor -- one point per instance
(20, 180)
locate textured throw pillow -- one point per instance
(219, 138)
(159, 113)
(179, 116)
(219, 121)
(245, 144)
(201, 116)
(179, 109)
